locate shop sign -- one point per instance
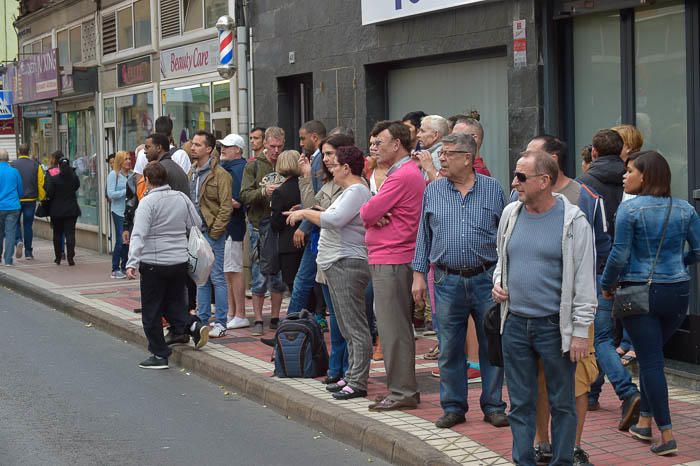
(6, 105)
(134, 72)
(377, 11)
(37, 111)
(189, 59)
(35, 77)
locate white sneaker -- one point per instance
(238, 322)
(249, 293)
(217, 330)
(19, 249)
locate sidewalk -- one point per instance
(241, 361)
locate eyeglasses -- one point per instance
(522, 177)
(448, 153)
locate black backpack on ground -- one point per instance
(300, 350)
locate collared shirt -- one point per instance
(398, 164)
(458, 231)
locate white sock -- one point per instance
(193, 326)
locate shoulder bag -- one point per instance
(633, 300)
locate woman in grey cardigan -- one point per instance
(158, 247)
(342, 258)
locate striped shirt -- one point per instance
(459, 232)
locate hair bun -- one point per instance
(64, 161)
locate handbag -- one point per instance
(633, 300)
(268, 248)
(200, 256)
(43, 209)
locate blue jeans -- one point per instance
(304, 281)
(626, 342)
(456, 298)
(524, 340)
(259, 282)
(668, 305)
(608, 359)
(338, 359)
(219, 281)
(119, 253)
(27, 219)
(8, 220)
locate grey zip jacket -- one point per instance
(578, 289)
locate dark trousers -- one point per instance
(64, 226)
(163, 293)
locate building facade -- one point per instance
(115, 70)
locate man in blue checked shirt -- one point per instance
(457, 234)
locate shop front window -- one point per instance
(189, 108)
(597, 91)
(39, 134)
(82, 152)
(660, 70)
(134, 119)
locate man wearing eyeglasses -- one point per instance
(457, 235)
(545, 283)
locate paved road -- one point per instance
(72, 395)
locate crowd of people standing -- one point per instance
(415, 230)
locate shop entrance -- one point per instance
(295, 101)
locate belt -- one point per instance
(466, 273)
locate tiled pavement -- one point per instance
(472, 443)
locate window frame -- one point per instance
(133, 51)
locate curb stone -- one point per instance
(366, 434)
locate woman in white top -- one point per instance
(342, 257)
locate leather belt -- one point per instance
(466, 273)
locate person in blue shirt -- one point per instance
(650, 245)
(116, 192)
(11, 190)
(232, 148)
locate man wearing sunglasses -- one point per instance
(545, 283)
(457, 235)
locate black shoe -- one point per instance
(581, 457)
(641, 433)
(200, 336)
(71, 262)
(274, 323)
(57, 261)
(543, 453)
(268, 341)
(172, 339)
(336, 387)
(630, 412)
(449, 420)
(497, 419)
(329, 380)
(154, 362)
(350, 394)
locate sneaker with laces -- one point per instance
(200, 335)
(473, 375)
(154, 362)
(257, 329)
(217, 331)
(581, 457)
(237, 322)
(118, 275)
(19, 249)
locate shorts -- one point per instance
(586, 374)
(233, 256)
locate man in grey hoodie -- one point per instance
(545, 283)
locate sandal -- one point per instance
(433, 354)
(628, 358)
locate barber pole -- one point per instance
(226, 67)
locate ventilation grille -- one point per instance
(109, 34)
(88, 41)
(169, 18)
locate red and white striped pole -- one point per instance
(226, 67)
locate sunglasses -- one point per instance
(522, 177)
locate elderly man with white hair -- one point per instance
(11, 190)
(432, 129)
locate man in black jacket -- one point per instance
(605, 172)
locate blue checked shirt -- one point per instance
(459, 232)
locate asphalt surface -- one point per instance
(72, 395)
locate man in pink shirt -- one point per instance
(391, 220)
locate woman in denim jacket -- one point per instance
(638, 229)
